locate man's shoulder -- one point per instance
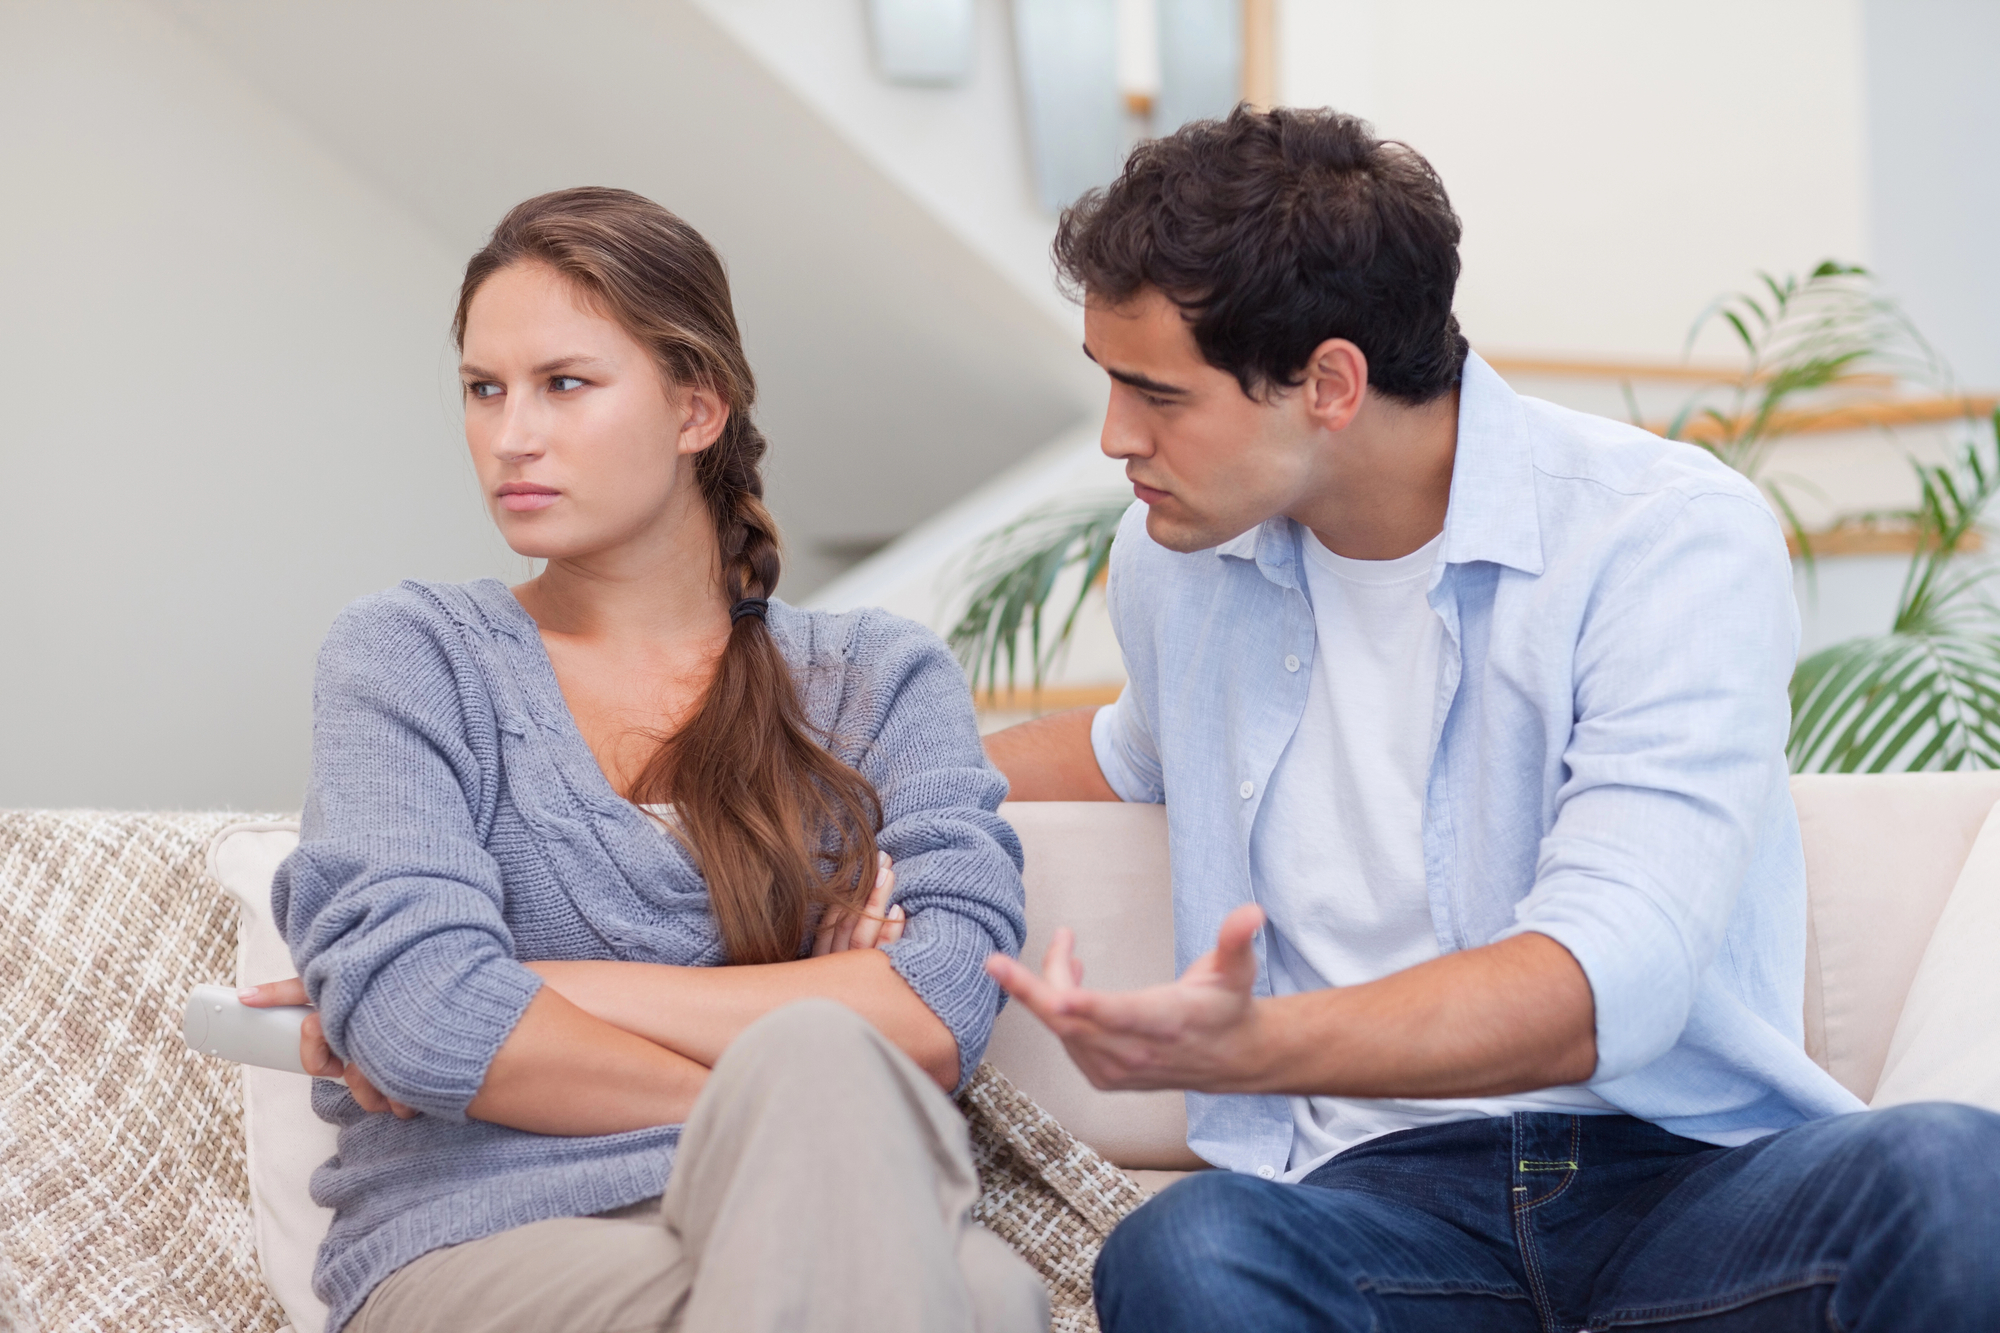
(1579, 452)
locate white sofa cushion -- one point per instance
(1882, 854)
(285, 1141)
(1947, 1043)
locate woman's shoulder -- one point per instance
(864, 639)
(420, 609)
(418, 638)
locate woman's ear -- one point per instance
(707, 414)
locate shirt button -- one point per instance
(1291, 662)
(1266, 1173)
(1245, 790)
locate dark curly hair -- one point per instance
(1274, 231)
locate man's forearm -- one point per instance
(1509, 1017)
(1050, 759)
(698, 1011)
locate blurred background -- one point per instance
(233, 229)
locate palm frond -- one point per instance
(1898, 702)
(1926, 695)
(1014, 573)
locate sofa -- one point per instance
(143, 1186)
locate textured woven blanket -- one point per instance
(124, 1203)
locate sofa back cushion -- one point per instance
(1947, 1042)
(1882, 854)
(284, 1140)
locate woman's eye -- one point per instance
(483, 389)
(562, 382)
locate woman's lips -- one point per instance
(518, 499)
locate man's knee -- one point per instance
(1191, 1221)
(1927, 1177)
(1170, 1253)
(1936, 1155)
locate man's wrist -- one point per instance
(1261, 1055)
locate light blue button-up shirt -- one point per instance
(1607, 759)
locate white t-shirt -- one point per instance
(1336, 857)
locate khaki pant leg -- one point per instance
(824, 1183)
(1007, 1295)
(615, 1274)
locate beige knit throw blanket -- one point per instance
(124, 1203)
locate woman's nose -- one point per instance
(517, 437)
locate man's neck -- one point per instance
(1387, 480)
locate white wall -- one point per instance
(1934, 171)
(1616, 165)
(223, 362)
(961, 150)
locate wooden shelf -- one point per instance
(1053, 699)
(1866, 539)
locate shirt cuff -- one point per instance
(1104, 744)
(1629, 952)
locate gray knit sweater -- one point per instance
(458, 826)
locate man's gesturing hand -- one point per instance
(1201, 1032)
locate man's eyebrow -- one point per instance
(1138, 381)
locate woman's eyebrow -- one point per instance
(546, 368)
(568, 363)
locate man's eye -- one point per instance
(562, 382)
(483, 389)
(1154, 400)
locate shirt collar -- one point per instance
(1273, 545)
(1491, 513)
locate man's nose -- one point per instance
(1122, 437)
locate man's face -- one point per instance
(1209, 461)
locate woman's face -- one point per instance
(580, 445)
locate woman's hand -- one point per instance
(875, 926)
(315, 1054)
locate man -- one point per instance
(1469, 713)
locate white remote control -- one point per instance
(216, 1023)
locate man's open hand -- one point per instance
(1201, 1032)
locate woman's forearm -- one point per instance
(698, 1011)
(563, 1071)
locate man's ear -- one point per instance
(1336, 383)
(707, 414)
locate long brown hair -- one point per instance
(780, 827)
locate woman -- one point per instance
(541, 820)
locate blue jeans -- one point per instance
(1883, 1220)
